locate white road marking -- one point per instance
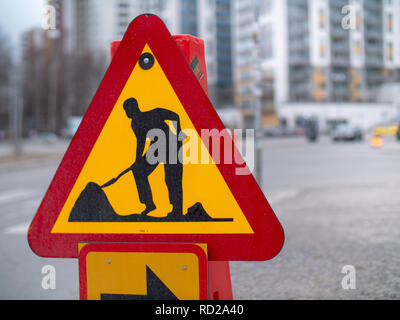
(22, 208)
(32, 203)
(17, 229)
(17, 195)
(280, 196)
(391, 147)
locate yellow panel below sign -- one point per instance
(144, 275)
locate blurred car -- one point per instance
(298, 131)
(347, 132)
(281, 131)
(72, 126)
(398, 132)
(273, 131)
(46, 137)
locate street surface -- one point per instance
(339, 204)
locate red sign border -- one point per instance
(268, 237)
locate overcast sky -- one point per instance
(17, 16)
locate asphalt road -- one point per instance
(338, 203)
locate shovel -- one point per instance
(114, 180)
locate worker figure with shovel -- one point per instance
(142, 123)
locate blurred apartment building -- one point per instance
(93, 24)
(307, 56)
(300, 48)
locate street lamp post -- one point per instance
(15, 112)
(257, 93)
(53, 46)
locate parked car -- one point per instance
(398, 132)
(273, 132)
(347, 132)
(72, 126)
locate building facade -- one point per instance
(310, 54)
(391, 40)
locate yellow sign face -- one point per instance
(143, 272)
(115, 173)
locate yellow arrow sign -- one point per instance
(143, 271)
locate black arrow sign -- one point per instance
(156, 290)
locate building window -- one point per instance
(390, 50)
(390, 22)
(266, 6)
(322, 50)
(246, 105)
(357, 48)
(358, 21)
(266, 42)
(322, 18)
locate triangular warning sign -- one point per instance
(140, 169)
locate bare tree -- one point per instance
(57, 84)
(35, 81)
(88, 70)
(5, 73)
(5, 58)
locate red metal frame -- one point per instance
(219, 281)
(190, 46)
(147, 247)
(268, 237)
